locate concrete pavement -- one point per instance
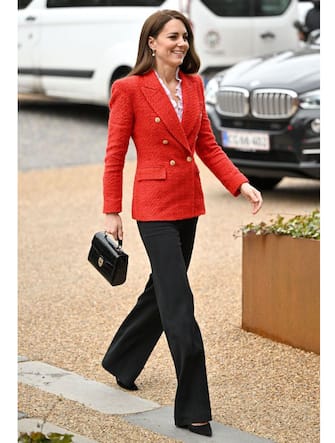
(108, 400)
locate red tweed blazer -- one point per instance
(167, 183)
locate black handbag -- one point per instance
(108, 258)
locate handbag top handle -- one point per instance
(119, 242)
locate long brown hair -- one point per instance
(151, 28)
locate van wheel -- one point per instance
(120, 72)
(264, 183)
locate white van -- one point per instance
(228, 31)
(75, 49)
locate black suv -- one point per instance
(265, 113)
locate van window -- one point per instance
(90, 3)
(270, 7)
(229, 8)
(23, 3)
(246, 8)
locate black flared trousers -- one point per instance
(166, 305)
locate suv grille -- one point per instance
(263, 103)
(273, 103)
(233, 101)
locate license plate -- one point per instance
(245, 140)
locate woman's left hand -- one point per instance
(253, 196)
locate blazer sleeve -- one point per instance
(120, 125)
(212, 154)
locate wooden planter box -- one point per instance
(281, 289)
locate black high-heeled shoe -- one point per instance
(130, 387)
(204, 430)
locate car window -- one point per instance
(23, 3)
(90, 3)
(246, 8)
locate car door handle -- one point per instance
(30, 18)
(268, 34)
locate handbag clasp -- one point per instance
(100, 261)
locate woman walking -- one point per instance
(160, 104)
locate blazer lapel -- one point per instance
(160, 103)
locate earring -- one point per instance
(153, 53)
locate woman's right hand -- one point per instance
(113, 226)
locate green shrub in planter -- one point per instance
(300, 226)
(39, 437)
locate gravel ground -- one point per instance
(68, 313)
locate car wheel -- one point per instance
(264, 183)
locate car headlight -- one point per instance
(211, 89)
(310, 100)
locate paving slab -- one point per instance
(161, 421)
(34, 424)
(90, 393)
(105, 399)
